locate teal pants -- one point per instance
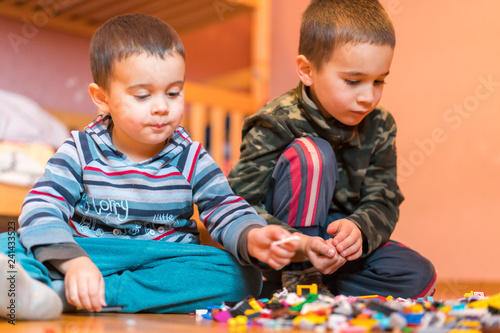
(157, 277)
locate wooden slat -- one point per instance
(53, 22)
(9, 9)
(189, 13)
(181, 8)
(254, 4)
(83, 17)
(198, 122)
(83, 10)
(64, 6)
(218, 135)
(174, 10)
(26, 3)
(152, 7)
(261, 46)
(210, 96)
(74, 9)
(16, 2)
(80, 28)
(235, 125)
(238, 80)
(202, 17)
(113, 9)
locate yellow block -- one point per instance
(313, 288)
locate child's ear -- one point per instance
(304, 69)
(99, 97)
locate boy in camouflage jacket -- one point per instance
(320, 160)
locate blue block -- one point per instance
(414, 318)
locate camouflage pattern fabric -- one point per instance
(367, 189)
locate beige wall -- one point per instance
(444, 91)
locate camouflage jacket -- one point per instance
(366, 191)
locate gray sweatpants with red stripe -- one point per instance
(303, 203)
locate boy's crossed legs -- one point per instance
(304, 181)
(145, 276)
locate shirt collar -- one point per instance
(102, 127)
(333, 129)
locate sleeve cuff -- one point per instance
(58, 251)
(243, 250)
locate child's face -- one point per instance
(146, 102)
(349, 86)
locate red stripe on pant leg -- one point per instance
(320, 175)
(389, 242)
(303, 220)
(312, 166)
(296, 178)
(430, 289)
(320, 179)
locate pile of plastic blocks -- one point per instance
(342, 314)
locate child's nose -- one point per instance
(160, 106)
(367, 96)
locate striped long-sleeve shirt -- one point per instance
(90, 189)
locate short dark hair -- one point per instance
(329, 23)
(126, 35)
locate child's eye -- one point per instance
(141, 97)
(351, 82)
(173, 94)
(379, 82)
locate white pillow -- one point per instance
(23, 120)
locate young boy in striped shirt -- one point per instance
(110, 221)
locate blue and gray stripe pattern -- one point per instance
(90, 189)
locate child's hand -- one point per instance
(84, 284)
(347, 238)
(321, 254)
(259, 246)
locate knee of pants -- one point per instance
(410, 269)
(392, 269)
(247, 282)
(11, 241)
(255, 281)
(10, 244)
(303, 183)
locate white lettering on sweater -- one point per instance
(106, 207)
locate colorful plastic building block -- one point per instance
(347, 314)
(475, 293)
(313, 289)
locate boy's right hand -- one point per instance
(320, 253)
(84, 284)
